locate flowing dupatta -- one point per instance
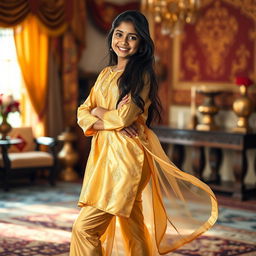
(177, 206)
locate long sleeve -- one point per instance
(84, 117)
(117, 119)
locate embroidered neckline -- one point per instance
(115, 71)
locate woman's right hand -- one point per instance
(123, 101)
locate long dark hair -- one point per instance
(139, 66)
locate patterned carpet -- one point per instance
(36, 221)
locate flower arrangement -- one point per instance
(8, 104)
(241, 80)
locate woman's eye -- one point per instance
(132, 38)
(118, 34)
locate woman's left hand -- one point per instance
(130, 131)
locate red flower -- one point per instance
(243, 81)
(8, 104)
(8, 109)
(15, 106)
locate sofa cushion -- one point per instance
(26, 135)
(29, 159)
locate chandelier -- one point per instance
(174, 14)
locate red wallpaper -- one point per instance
(104, 12)
(219, 47)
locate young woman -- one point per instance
(126, 157)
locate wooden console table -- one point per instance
(216, 141)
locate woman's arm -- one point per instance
(130, 131)
(124, 116)
(84, 117)
(98, 125)
(99, 111)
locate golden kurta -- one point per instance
(179, 207)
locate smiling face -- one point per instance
(125, 41)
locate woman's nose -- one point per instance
(124, 41)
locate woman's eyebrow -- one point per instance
(135, 34)
(118, 30)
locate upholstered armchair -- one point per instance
(25, 157)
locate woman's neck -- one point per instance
(121, 64)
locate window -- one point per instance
(10, 74)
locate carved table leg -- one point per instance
(240, 170)
(178, 155)
(6, 168)
(198, 161)
(255, 164)
(215, 159)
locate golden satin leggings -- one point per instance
(91, 224)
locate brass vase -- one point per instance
(68, 156)
(5, 127)
(243, 108)
(208, 111)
